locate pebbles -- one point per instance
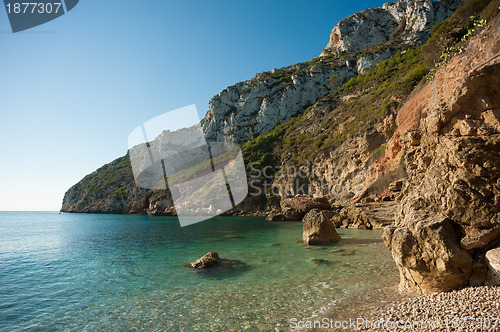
(468, 309)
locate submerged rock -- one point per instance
(318, 229)
(224, 262)
(212, 259)
(319, 261)
(234, 236)
(344, 252)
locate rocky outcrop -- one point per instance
(248, 109)
(407, 20)
(449, 215)
(208, 260)
(297, 207)
(318, 228)
(110, 189)
(340, 175)
(375, 215)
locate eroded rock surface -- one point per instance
(375, 215)
(449, 213)
(493, 263)
(297, 207)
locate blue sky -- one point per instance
(73, 89)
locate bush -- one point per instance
(333, 82)
(415, 76)
(449, 32)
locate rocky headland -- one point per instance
(396, 125)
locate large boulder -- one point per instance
(430, 258)
(318, 228)
(296, 208)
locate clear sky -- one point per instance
(73, 89)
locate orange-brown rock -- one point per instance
(450, 211)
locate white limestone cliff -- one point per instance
(409, 20)
(248, 109)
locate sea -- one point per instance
(98, 272)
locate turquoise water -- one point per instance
(115, 272)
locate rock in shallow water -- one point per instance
(319, 261)
(208, 260)
(212, 259)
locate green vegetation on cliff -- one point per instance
(350, 111)
(110, 181)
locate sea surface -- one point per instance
(118, 272)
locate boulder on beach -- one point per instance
(318, 228)
(493, 259)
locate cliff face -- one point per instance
(251, 108)
(248, 109)
(110, 189)
(410, 21)
(449, 214)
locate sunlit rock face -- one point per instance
(449, 217)
(408, 20)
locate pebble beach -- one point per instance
(468, 309)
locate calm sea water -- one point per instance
(114, 272)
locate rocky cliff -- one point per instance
(449, 214)
(410, 21)
(357, 43)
